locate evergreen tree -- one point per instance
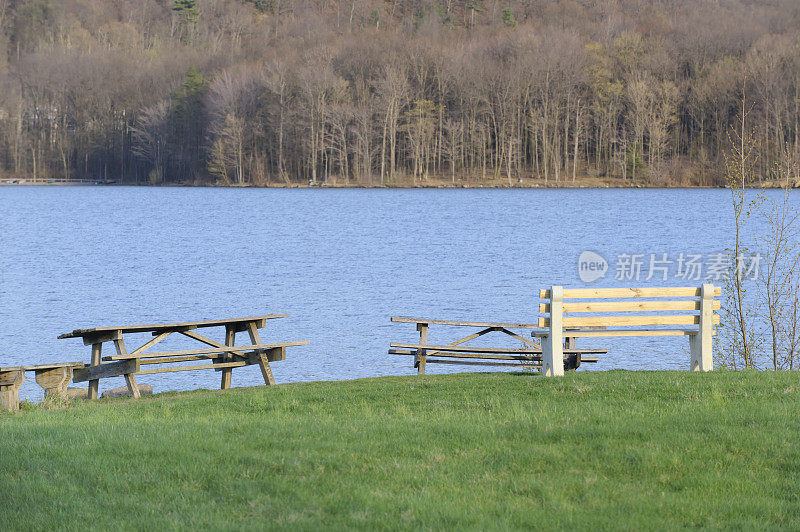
(187, 15)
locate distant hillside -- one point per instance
(396, 93)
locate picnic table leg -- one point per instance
(10, 381)
(422, 353)
(230, 339)
(54, 381)
(94, 385)
(130, 379)
(263, 359)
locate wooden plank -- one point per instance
(460, 340)
(627, 321)
(147, 345)
(264, 359)
(94, 384)
(399, 319)
(168, 326)
(465, 349)
(201, 338)
(130, 380)
(518, 337)
(193, 368)
(42, 366)
(534, 353)
(103, 371)
(421, 351)
(625, 332)
(266, 371)
(471, 363)
(206, 351)
(473, 355)
(629, 306)
(172, 360)
(101, 337)
(575, 293)
(276, 354)
(227, 373)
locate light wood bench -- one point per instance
(221, 356)
(582, 309)
(53, 378)
(454, 352)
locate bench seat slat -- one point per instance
(468, 349)
(533, 357)
(535, 365)
(43, 366)
(629, 306)
(622, 321)
(412, 349)
(536, 356)
(491, 350)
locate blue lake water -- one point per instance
(340, 261)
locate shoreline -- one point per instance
(537, 185)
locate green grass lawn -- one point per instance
(610, 450)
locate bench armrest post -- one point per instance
(553, 343)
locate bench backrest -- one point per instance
(632, 306)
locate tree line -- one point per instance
(395, 93)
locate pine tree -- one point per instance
(187, 15)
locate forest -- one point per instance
(397, 93)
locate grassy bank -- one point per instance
(590, 450)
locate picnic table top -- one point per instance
(401, 319)
(78, 333)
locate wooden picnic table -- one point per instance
(454, 352)
(224, 356)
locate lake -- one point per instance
(340, 261)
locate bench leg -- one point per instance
(10, 381)
(553, 343)
(54, 381)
